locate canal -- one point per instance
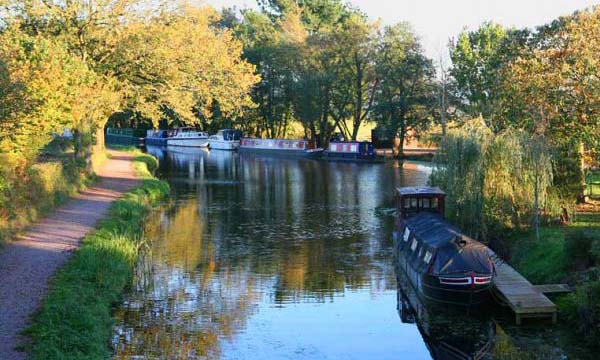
(271, 258)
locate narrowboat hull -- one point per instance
(224, 145)
(279, 147)
(188, 142)
(430, 288)
(351, 151)
(331, 156)
(310, 154)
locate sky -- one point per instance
(436, 21)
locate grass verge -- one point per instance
(76, 319)
(553, 258)
(567, 254)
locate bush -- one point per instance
(30, 190)
(582, 310)
(578, 246)
(595, 251)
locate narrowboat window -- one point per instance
(427, 257)
(413, 246)
(406, 234)
(413, 203)
(425, 204)
(434, 203)
(406, 203)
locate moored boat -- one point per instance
(354, 151)
(445, 265)
(280, 147)
(188, 137)
(225, 139)
(156, 137)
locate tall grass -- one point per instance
(28, 191)
(75, 321)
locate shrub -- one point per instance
(578, 245)
(582, 310)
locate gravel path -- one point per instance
(27, 264)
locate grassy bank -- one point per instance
(568, 254)
(76, 320)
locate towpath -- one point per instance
(28, 263)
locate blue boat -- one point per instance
(157, 137)
(354, 151)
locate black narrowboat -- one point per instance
(445, 265)
(353, 151)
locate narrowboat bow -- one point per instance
(444, 264)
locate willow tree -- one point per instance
(494, 181)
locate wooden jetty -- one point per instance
(525, 300)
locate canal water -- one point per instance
(272, 258)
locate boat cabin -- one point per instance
(413, 200)
(229, 134)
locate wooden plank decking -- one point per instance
(525, 300)
(553, 289)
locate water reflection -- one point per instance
(447, 334)
(263, 258)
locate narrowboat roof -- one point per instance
(419, 190)
(434, 230)
(454, 250)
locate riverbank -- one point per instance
(76, 317)
(27, 265)
(567, 254)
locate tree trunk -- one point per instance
(581, 197)
(402, 135)
(83, 151)
(359, 98)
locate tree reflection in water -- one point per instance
(257, 234)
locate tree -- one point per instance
(42, 91)
(556, 90)
(317, 15)
(406, 91)
(478, 57)
(159, 68)
(356, 41)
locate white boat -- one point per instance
(188, 137)
(225, 139)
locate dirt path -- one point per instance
(27, 264)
